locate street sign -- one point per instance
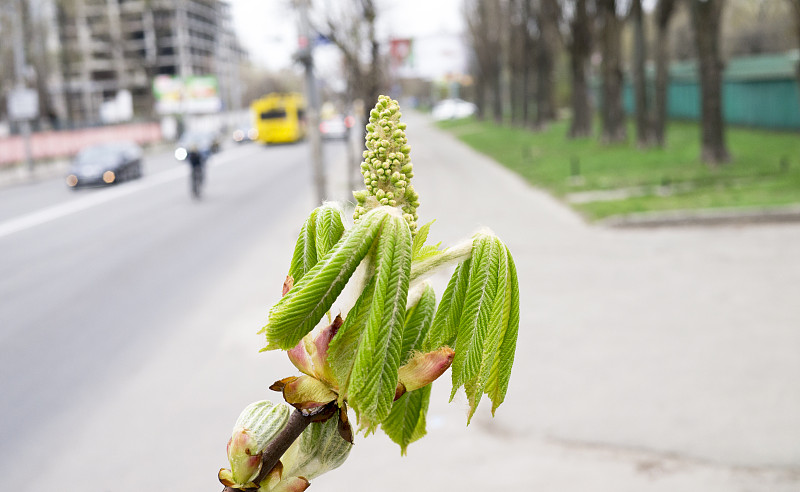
(23, 104)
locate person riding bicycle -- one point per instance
(197, 160)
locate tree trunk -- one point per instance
(497, 93)
(613, 115)
(580, 49)
(639, 79)
(545, 61)
(664, 11)
(515, 59)
(526, 67)
(796, 8)
(484, 26)
(706, 16)
(514, 98)
(480, 97)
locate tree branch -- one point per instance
(298, 422)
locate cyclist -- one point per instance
(197, 160)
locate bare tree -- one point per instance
(484, 22)
(579, 46)
(755, 27)
(663, 14)
(706, 17)
(641, 109)
(517, 59)
(612, 113)
(527, 50)
(350, 26)
(547, 17)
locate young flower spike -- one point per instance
(387, 167)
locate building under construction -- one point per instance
(113, 47)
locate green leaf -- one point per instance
(305, 250)
(304, 305)
(500, 373)
(421, 237)
(496, 329)
(406, 422)
(322, 229)
(427, 252)
(445, 324)
(418, 322)
(473, 325)
(344, 345)
(373, 379)
(329, 228)
(420, 251)
(484, 326)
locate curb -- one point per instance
(20, 174)
(706, 217)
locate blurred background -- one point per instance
(640, 158)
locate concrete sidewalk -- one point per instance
(648, 360)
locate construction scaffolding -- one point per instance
(113, 46)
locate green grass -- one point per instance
(755, 177)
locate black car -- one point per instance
(105, 164)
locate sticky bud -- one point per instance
(257, 425)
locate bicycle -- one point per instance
(197, 181)
(197, 160)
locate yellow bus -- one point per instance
(280, 117)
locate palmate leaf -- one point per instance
(406, 421)
(479, 316)
(303, 306)
(374, 340)
(322, 229)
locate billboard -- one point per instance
(193, 94)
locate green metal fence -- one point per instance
(760, 91)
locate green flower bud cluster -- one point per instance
(387, 167)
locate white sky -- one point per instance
(268, 28)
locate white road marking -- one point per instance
(54, 212)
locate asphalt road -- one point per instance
(93, 282)
(648, 360)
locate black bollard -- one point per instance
(574, 166)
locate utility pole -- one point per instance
(20, 66)
(306, 56)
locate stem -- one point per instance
(275, 449)
(455, 254)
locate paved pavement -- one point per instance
(648, 360)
